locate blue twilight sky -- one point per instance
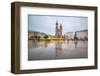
(46, 24)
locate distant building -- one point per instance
(33, 34)
(82, 35)
(58, 30)
(69, 35)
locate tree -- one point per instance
(46, 36)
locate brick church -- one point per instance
(58, 30)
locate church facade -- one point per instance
(58, 30)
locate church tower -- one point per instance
(58, 30)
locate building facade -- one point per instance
(79, 35)
(58, 30)
(69, 35)
(33, 34)
(82, 35)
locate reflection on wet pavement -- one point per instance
(57, 49)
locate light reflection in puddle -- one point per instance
(57, 49)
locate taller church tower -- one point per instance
(58, 30)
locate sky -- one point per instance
(46, 24)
